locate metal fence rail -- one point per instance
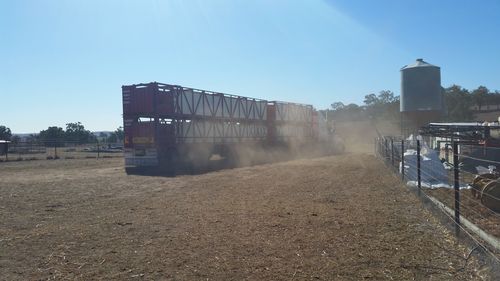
(23, 151)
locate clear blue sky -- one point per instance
(65, 61)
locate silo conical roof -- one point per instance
(419, 63)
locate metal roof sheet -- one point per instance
(419, 63)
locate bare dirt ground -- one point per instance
(331, 218)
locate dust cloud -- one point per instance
(198, 158)
(247, 155)
(359, 136)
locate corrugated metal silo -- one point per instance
(421, 100)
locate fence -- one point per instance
(450, 176)
(23, 151)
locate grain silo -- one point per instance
(421, 100)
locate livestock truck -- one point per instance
(169, 126)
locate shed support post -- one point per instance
(456, 186)
(392, 152)
(403, 159)
(419, 178)
(447, 152)
(386, 153)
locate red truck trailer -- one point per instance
(170, 126)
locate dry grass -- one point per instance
(331, 218)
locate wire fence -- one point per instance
(462, 176)
(25, 151)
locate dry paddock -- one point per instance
(331, 218)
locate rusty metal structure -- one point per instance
(169, 125)
(486, 188)
(477, 147)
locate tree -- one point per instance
(116, 136)
(352, 107)
(385, 105)
(458, 102)
(480, 96)
(337, 106)
(386, 97)
(371, 100)
(75, 132)
(120, 134)
(52, 136)
(5, 133)
(495, 98)
(341, 111)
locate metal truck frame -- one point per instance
(170, 126)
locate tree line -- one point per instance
(460, 105)
(73, 133)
